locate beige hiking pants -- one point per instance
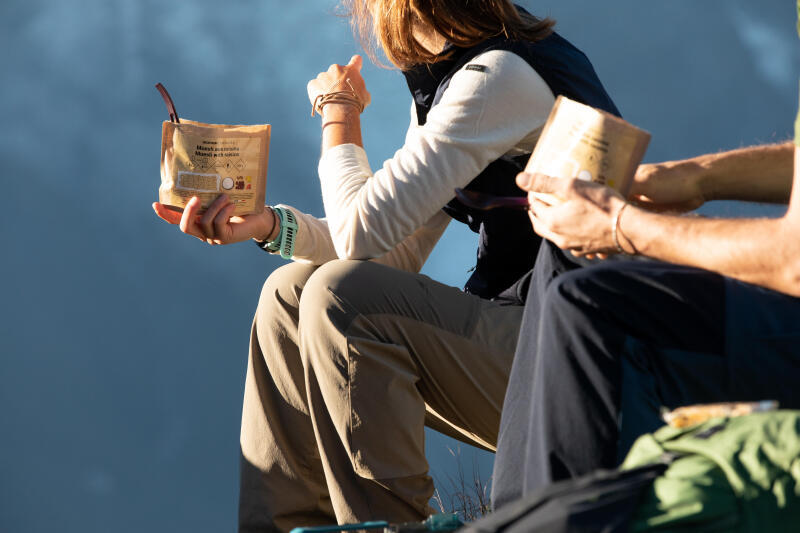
(348, 362)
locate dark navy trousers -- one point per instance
(603, 348)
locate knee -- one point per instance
(331, 300)
(584, 292)
(281, 292)
(583, 314)
(331, 288)
(578, 307)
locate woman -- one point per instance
(350, 359)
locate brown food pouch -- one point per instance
(206, 160)
(579, 141)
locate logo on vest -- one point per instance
(475, 67)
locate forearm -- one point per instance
(315, 246)
(341, 124)
(759, 251)
(755, 174)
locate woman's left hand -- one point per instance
(336, 79)
(218, 224)
(573, 214)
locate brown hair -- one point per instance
(464, 23)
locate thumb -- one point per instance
(356, 62)
(524, 180)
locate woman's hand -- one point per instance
(573, 214)
(336, 79)
(669, 186)
(218, 225)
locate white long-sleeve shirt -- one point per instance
(394, 215)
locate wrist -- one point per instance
(339, 112)
(283, 243)
(701, 172)
(270, 226)
(341, 124)
(622, 240)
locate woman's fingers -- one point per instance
(164, 213)
(184, 220)
(207, 220)
(188, 222)
(222, 228)
(213, 226)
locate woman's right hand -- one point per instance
(218, 225)
(340, 78)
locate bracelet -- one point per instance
(284, 242)
(349, 97)
(615, 228)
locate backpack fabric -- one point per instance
(727, 474)
(739, 474)
(600, 502)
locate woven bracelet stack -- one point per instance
(347, 96)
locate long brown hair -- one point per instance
(465, 23)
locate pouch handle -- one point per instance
(173, 114)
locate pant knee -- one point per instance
(335, 291)
(325, 304)
(587, 291)
(580, 309)
(281, 292)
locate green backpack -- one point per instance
(726, 474)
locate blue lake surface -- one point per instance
(123, 343)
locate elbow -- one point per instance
(354, 239)
(354, 248)
(346, 254)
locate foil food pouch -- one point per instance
(579, 141)
(206, 160)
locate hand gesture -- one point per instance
(218, 225)
(340, 78)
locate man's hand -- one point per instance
(573, 214)
(669, 186)
(218, 225)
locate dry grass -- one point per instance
(456, 494)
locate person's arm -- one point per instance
(217, 224)
(482, 116)
(754, 174)
(314, 245)
(764, 252)
(341, 122)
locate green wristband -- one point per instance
(284, 242)
(288, 231)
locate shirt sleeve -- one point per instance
(484, 114)
(314, 245)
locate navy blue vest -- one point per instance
(508, 245)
